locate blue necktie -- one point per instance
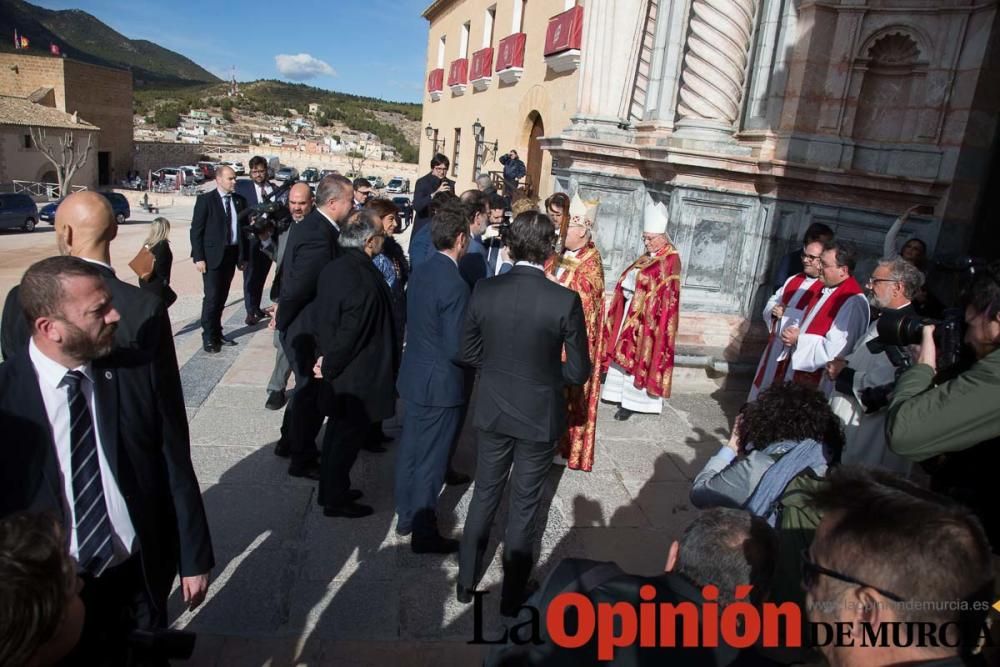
(229, 220)
(93, 525)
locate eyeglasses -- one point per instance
(872, 281)
(806, 257)
(811, 573)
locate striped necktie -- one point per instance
(93, 524)
(229, 219)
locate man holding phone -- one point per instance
(426, 187)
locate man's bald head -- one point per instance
(85, 226)
(225, 179)
(300, 200)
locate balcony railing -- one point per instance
(563, 38)
(458, 76)
(482, 69)
(510, 57)
(435, 83)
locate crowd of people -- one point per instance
(498, 316)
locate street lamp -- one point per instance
(431, 133)
(477, 132)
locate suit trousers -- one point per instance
(216, 282)
(303, 415)
(528, 463)
(345, 433)
(282, 369)
(116, 603)
(422, 462)
(254, 277)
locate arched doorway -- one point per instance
(534, 157)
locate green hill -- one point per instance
(83, 37)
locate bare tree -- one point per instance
(356, 159)
(67, 158)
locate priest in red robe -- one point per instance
(641, 326)
(580, 269)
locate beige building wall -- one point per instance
(18, 163)
(507, 111)
(100, 95)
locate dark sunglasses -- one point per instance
(811, 573)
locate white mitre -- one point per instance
(582, 213)
(654, 219)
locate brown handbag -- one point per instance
(142, 263)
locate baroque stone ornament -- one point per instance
(715, 60)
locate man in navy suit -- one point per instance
(217, 246)
(431, 384)
(258, 263)
(473, 265)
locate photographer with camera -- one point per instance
(256, 191)
(955, 426)
(432, 183)
(864, 378)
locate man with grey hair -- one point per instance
(485, 185)
(351, 320)
(312, 244)
(863, 379)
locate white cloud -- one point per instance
(302, 66)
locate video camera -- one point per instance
(271, 215)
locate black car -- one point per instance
(17, 211)
(405, 206)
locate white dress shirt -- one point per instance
(99, 263)
(262, 190)
(453, 260)
(55, 396)
(531, 264)
(232, 215)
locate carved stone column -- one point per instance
(715, 60)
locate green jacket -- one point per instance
(925, 421)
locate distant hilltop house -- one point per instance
(313, 108)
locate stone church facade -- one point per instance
(752, 119)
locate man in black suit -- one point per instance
(431, 383)
(426, 187)
(258, 262)
(122, 484)
(218, 245)
(351, 319)
(311, 244)
(516, 329)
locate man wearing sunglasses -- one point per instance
(889, 552)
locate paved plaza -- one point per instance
(294, 587)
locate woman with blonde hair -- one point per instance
(158, 243)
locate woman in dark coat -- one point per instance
(158, 243)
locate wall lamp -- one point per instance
(477, 132)
(431, 133)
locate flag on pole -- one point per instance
(17, 40)
(54, 49)
(24, 42)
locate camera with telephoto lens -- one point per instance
(272, 214)
(902, 329)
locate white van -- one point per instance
(398, 185)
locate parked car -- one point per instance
(119, 204)
(192, 174)
(398, 184)
(326, 172)
(17, 211)
(405, 206)
(166, 175)
(310, 175)
(237, 167)
(377, 182)
(207, 168)
(286, 174)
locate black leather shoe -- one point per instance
(403, 531)
(306, 471)
(275, 400)
(374, 448)
(213, 348)
(433, 544)
(228, 342)
(455, 478)
(511, 607)
(463, 594)
(351, 510)
(252, 319)
(623, 414)
(355, 494)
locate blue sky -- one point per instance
(365, 47)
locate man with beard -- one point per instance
(863, 378)
(300, 204)
(786, 308)
(83, 441)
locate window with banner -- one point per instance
(455, 151)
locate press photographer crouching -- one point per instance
(954, 426)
